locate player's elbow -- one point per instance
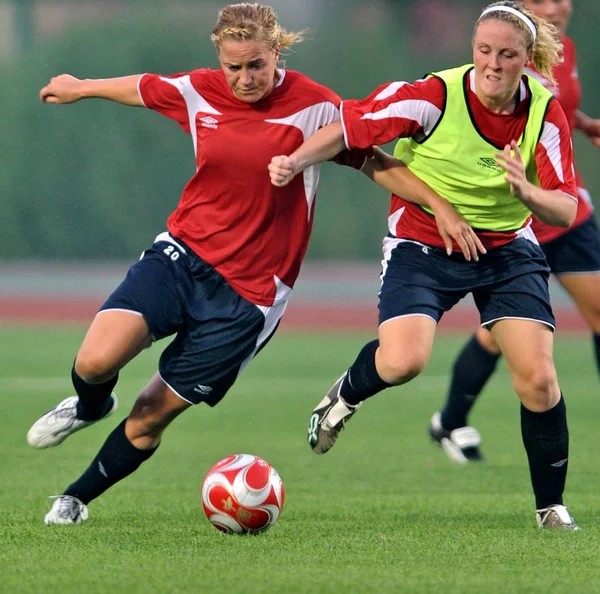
(568, 214)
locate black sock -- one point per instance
(93, 398)
(596, 338)
(472, 369)
(362, 380)
(546, 439)
(117, 458)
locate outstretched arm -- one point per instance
(68, 89)
(394, 176)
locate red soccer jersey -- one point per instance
(399, 110)
(568, 92)
(253, 233)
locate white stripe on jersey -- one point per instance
(194, 101)
(550, 140)
(308, 121)
(389, 90)
(417, 110)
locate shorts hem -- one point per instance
(545, 322)
(424, 315)
(162, 379)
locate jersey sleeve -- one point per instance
(394, 110)
(554, 153)
(164, 95)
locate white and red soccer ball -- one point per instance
(242, 494)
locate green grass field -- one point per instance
(385, 511)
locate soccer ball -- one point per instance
(242, 494)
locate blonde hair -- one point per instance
(245, 21)
(546, 47)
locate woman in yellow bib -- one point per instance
(496, 144)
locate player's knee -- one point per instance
(538, 390)
(399, 368)
(487, 341)
(94, 367)
(148, 418)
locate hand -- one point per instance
(61, 89)
(520, 186)
(452, 226)
(281, 170)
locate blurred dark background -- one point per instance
(96, 180)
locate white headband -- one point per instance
(516, 12)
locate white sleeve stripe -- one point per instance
(418, 110)
(390, 90)
(344, 126)
(550, 140)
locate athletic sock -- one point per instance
(596, 338)
(546, 440)
(472, 369)
(117, 458)
(93, 398)
(362, 380)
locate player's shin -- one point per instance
(362, 380)
(546, 440)
(117, 459)
(94, 399)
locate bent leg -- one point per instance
(471, 371)
(114, 338)
(132, 442)
(527, 348)
(585, 291)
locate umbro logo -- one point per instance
(209, 122)
(489, 163)
(203, 389)
(559, 463)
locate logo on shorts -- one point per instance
(203, 389)
(208, 122)
(489, 163)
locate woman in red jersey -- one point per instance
(496, 144)
(573, 255)
(220, 278)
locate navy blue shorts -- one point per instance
(217, 331)
(508, 282)
(577, 251)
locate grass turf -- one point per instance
(385, 511)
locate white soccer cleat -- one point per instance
(66, 510)
(461, 445)
(329, 418)
(57, 424)
(557, 517)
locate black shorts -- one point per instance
(217, 331)
(577, 251)
(508, 282)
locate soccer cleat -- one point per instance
(57, 424)
(329, 418)
(66, 510)
(461, 445)
(555, 517)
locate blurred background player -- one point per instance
(497, 145)
(573, 255)
(220, 278)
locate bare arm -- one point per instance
(394, 176)
(65, 88)
(323, 145)
(589, 126)
(550, 206)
